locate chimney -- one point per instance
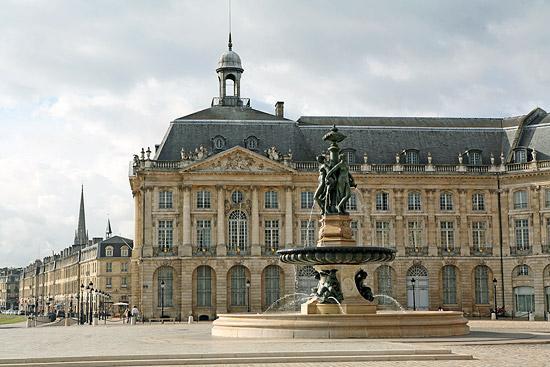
(280, 109)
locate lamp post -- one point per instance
(162, 285)
(96, 302)
(495, 296)
(90, 302)
(81, 319)
(248, 294)
(414, 293)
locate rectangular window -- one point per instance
(354, 228)
(108, 282)
(522, 234)
(447, 234)
(478, 234)
(520, 199)
(547, 198)
(165, 199)
(382, 233)
(415, 234)
(306, 199)
(124, 267)
(109, 267)
(382, 201)
(203, 200)
(203, 233)
(520, 156)
(307, 233)
(351, 205)
(271, 234)
(414, 201)
(446, 201)
(124, 282)
(165, 233)
(478, 202)
(271, 200)
(548, 232)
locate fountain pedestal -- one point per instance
(335, 231)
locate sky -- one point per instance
(85, 84)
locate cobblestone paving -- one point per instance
(492, 343)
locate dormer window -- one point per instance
(349, 155)
(218, 142)
(251, 143)
(124, 251)
(520, 155)
(474, 157)
(412, 156)
(109, 251)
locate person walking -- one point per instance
(135, 313)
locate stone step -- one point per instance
(234, 358)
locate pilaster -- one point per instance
(186, 250)
(288, 217)
(220, 223)
(255, 221)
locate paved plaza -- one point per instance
(491, 343)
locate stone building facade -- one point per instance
(59, 281)
(464, 201)
(9, 288)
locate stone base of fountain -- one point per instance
(330, 309)
(391, 324)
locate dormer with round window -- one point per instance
(218, 143)
(251, 143)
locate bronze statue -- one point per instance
(328, 290)
(363, 290)
(335, 178)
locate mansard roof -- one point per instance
(379, 137)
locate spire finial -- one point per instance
(230, 44)
(108, 230)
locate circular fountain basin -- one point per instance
(335, 255)
(383, 324)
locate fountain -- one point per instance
(341, 304)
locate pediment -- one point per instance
(238, 159)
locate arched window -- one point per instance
(124, 251)
(305, 279)
(238, 231)
(413, 200)
(166, 275)
(272, 286)
(238, 286)
(109, 251)
(520, 199)
(521, 270)
(384, 276)
(481, 285)
(520, 155)
(417, 271)
(446, 201)
(204, 286)
(230, 87)
(449, 285)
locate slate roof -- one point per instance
(380, 137)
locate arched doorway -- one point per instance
(420, 293)
(272, 281)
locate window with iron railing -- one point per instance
(522, 234)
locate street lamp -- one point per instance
(248, 294)
(81, 318)
(96, 302)
(414, 293)
(162, 285)
(495, 296)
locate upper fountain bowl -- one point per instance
(329, 255)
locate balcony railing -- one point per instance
(416, 251)
(238, 251)
(546, 249)
(269, 250)
(520, 251)
(486, 250)
(204, 250)
(448, 251)
(161, 251)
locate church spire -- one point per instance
(81, 235)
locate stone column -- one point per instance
(220, 224)
(536, 239)
(431, 230)
(288, 217)
(186, 250)
(462, 241)
(506, 229)
(255, 224)
(366, 224)
(398, 232)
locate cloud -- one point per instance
(87, 84)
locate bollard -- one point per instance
(29, 322)
(132, 320)
(67, 321)
(34, 319)
(531, 317)
(548, 316)
(493, 316)
(190, 319)
(95, 321)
